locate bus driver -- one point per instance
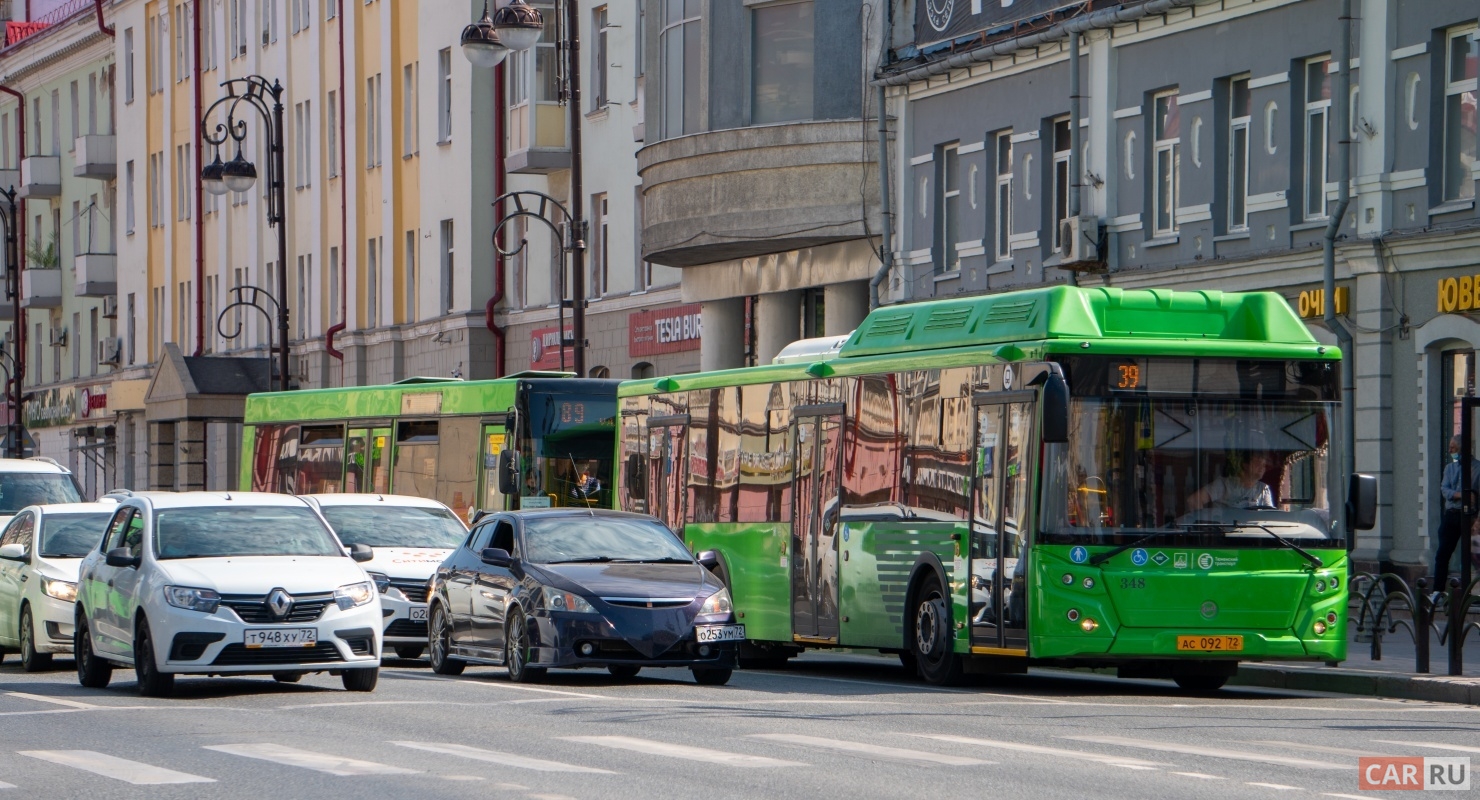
(1245, 490)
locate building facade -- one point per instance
(1210, 153)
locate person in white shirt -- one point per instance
(1246, 490)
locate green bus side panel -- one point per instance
(877, 559)
(249, 442)
(1272, 598)
(755, 553)
(378, 402)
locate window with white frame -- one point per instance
(128, 65)
(1317, 132)
(1062, 147)
(1459, 114)
(781, 62)
(182, 42)
(947, 207)
(76, 108)
(1239, 113)
(448, 273)
(372, 282)
(334, 286)
(410, 275)
(56, 122)
(211, 283)
(331, 134)
(410, 106)
(92, 103)
(372, 121)
(678, 48)
(444, 95)
(302, 290)
(600, 254)
(269, 21)
(128, 196)
(599, 59)
(207, 36)
(331, 9)
(237, 43)
(1002, 200)
(1166, 163)
(298, 161)
(76, 227)
(183, 181)
(156, 212)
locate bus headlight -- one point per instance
(1320, 627)
(1088, 625)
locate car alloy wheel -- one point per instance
(92, 671)
(31, 661)
(516, 649)
(152, 682)
(441, 645)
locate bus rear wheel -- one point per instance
(1201, 683)
(933, 634)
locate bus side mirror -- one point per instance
(635, 475)
(1361, 502)
(1055, 409)
(508, 473)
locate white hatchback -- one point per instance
(214, 583)
(40, 551)
(411, 536)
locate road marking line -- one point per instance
(1316, 748)
(684, 751)
(1040, 750)
(134, 772)
(1214, 752)
(877, 751)
(4, 785)
(496, 685)
(320, 762)
(61, 701)
(1200, 775)
(1134, 766)
(1459, 747)
(1280, 786)
(495, 757)
(1347, 796)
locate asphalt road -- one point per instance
(836, 726)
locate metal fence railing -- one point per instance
(1384, 603)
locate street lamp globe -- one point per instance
(239, 174)
(213, 177)
(519, 25)
(481, 43)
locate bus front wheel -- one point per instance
(1201, 683)
(933, 635)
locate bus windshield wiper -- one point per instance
(1139, 540)
(1315, 560)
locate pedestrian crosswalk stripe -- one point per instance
(1315, 748)
(1459, 747)
(1279, 786)
(4, 785)
(1211, 752)
(655, 748)
(873, 750)
(59, 701)
(495, 757)
(1056, 752)
(121, 769)
(320, 762)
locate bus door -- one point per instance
(814, 524)
(489, 498)
(1000, 485)
(367, 460)
(667, 469)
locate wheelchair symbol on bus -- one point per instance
(1138, 557)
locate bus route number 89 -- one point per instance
(572, 413)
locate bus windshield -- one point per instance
(1223, 470)
(567, 447)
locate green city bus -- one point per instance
(531, 440)
(1097, 477)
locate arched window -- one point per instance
(642, 369)
(599, 372)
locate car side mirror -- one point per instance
(120, 557)
(13, 552)
(497, 557)
(709, 558)
(1361, 502)
(361, 553)
(508, 473)
(1055, 409)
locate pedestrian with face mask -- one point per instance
(1454, 524)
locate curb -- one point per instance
(1434, 689)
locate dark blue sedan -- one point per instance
(571, 588)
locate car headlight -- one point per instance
(206, 601)
(717, 604)
(556, 600)
(61, 590)
(354, 594)
(382, 581)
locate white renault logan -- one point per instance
(218, 583)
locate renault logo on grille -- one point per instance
(279, 603)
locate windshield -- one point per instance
(569, 439)
(241, 531)
(21, 489)
(72, 535)
(1205, 468)
(581, 538)
(395, 526)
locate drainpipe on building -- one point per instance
(1341, 111)
(886, 248)
(106, 29)
(19, 325)
(200, 222)
(491, 309)
(343, 323)
(1076, 139)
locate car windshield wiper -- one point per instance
(1139, 540)
(663, 560)
(1314, 559)
(587, 560)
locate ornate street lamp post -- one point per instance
(239, 174)
(517, 27)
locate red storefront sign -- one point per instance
(545, 349)
(664, 330)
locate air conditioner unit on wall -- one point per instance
(1080, 239)
(110, 350)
